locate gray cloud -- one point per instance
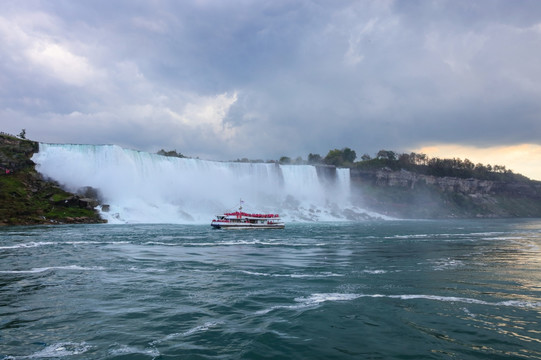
(263, 79)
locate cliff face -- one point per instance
(409, 195)
(26, 198)
(406, 179)
(15, 153)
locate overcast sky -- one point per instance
(261, 79)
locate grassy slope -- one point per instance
(27, 199)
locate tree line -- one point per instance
(387, 159)
(414, 162)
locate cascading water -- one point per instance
(148, 188)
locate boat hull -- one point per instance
(243, 226)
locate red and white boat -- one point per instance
(242, 220)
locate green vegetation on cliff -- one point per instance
(26, 198)
(417, 163)
(422, 164)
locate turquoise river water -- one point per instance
(456, 289)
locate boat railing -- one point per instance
(265, 216)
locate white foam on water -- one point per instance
(28, 245)
(375, 272)
(294, 276)
(237, 243)
(140, 187)
(146, 270)
(55, 243)
(44, 269)
(58, 350)
(200, 328)
(511, 303)
(316, 299)
(446, 264)
(469, 313)
(311, 301)
(317, 275)
(206, 326)
(131, 350)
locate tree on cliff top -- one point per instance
(344, 157)
(314, 159)
(386, 155)
(285, 160)
(422, 164)
(172, 153)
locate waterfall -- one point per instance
(140, 187)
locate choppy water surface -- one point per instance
(374, 290)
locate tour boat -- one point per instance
(242, 220)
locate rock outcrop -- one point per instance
(27, 199)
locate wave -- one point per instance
(44, 269)
(200, 328)
(311, 301)
(511, 303)
(294, 276)
(232, 243)
(28, 245)
(56, 243)
(374, 272)
(453, 236)
(125, 350)
(172, 243)
(58, 350)
(316, 299)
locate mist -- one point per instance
(141, 187)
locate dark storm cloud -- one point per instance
(263, 79)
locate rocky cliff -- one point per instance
(406, 194)
(26, 198)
